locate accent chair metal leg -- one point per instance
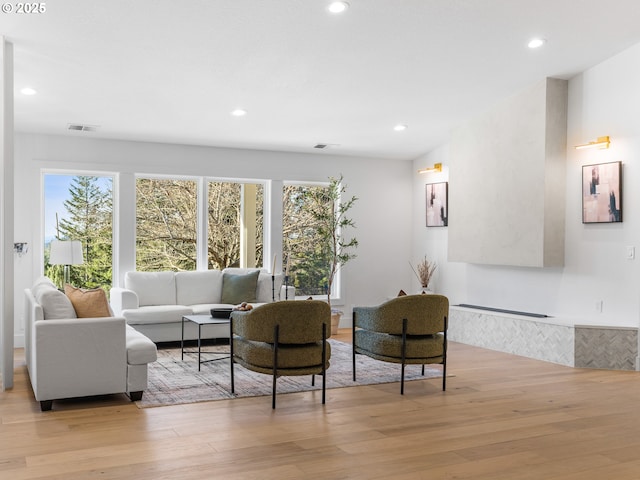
(353, 346)
(324, 362)
(231, 353)
(444, 375)
(404, 353)
(46, 405)
(444, 356)
(276, 336)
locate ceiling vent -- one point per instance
(325, 145)
(77, 127)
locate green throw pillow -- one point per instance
(239, 288)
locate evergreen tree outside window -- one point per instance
(80, 208)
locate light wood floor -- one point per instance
(502, 418)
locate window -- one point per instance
(235, 225)
(307, 258)
(166, 224)
(80, 207)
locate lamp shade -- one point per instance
(66, 252)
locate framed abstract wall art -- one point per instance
(602, 193)
(437, 204)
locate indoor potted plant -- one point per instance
(330, 215)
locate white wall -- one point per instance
(604, 100)
(382, 213)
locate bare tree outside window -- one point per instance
(166, 223)
(235, 212)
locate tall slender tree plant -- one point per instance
(329, 212)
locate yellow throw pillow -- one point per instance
(88, 303)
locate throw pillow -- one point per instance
(239, 288)
(55, 304)
(88, 303)
(402, 293)
(41, 284)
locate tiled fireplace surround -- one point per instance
(552, 339)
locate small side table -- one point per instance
(201, 320)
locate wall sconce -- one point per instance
(436, 168)
(20, 248)
(601, 142)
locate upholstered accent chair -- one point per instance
(411, 329)
(282, 338)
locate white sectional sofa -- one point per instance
(77, 357)
(155, 302)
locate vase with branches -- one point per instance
(424, 272)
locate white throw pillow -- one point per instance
(40, 283)
(152, 288)
(198, 287)
(55, 304)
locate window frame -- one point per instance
(273, 190)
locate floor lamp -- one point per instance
(67, 253)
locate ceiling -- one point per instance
(172, 71)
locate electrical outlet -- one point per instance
(631, 253)
(599, 306)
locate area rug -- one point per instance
(173, 381)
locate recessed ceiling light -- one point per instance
(239, 112)
(338, 7)
(28, 91)
(536, 42)
(400, 128)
